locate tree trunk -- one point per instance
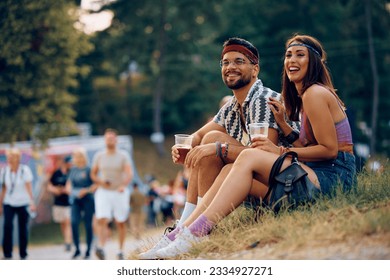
(158, 91)
(375, 84)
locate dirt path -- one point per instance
(57, 252)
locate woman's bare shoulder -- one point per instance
(317, 93)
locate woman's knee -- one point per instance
(243, 161)
(252, 160)
(226, 168)
(246, 156)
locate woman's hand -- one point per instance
(264, 144)
(278, 110)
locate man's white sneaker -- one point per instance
(171, 228)
(151, 253)
(181, 245)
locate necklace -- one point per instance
(13, 176)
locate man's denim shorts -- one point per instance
(335, 172)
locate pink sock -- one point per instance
(201, 226)
(173, 233)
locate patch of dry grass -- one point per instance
(147, 160)
(349, 226)
(337, 223)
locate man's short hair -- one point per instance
(111, 130)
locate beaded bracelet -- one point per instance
(292, 137)
(218, 149)
(225, 154)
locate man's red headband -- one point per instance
(241, 49)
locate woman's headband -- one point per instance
(305, 45)
(241, 49)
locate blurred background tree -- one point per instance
(155, 69)
(38, 68)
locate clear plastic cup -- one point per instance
(258, 130)
(183, 143)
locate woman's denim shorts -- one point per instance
(335, 172)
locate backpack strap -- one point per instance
(3, 175)
(22, 170)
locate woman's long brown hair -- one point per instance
(317, 73)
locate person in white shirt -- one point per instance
(16, 198)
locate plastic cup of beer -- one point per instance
(183, 143)
(258, 130)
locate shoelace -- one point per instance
(170, 229)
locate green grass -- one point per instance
(148, 161)
(360, 215)
(50, 233)
(42, 234)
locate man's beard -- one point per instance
(111, 146)
(239, 84)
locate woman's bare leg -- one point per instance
(238, 183)
(251, 163)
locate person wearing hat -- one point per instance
(61, 206)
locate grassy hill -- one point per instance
(147, 160)
(349, 226)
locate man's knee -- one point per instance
(102, 221)
(212, 136)
(120, 223)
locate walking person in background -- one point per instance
(324, 145)
(16, 198)
(80, 189)
(152, 201)
(137, 215)
(111, 171)
(61, 209)
(167, 202)
(179, 191)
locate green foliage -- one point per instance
(47, 72)
(188, 64)
(180, 42)
(38, 68)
